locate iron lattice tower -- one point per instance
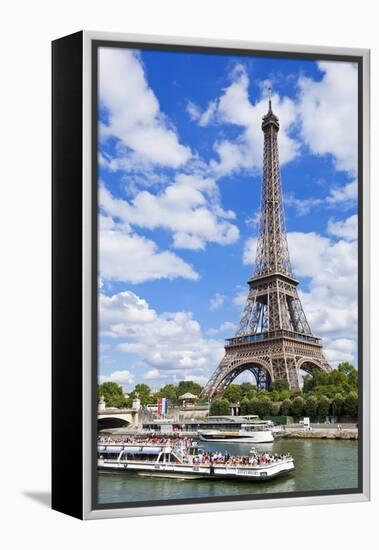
(274, 339)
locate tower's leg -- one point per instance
(284, 368)
(293, 379)
(216, 383)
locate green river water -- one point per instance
(320, 465)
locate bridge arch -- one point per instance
(261, 370)
(111, 422)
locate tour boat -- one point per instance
(181, 462)
(254, 432)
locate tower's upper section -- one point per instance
(272, 247)
(270, 119)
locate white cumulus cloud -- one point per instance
(122, 377)
(347, 229)
(189, 209)
(234, 107)
(217, 301)
(343, 194)
(227, 326)
(128, 257)
(249, 251)
(133, 112)
(328, 111)
(171, 341)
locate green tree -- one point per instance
(144, 393)
(280, 385)
(323, 407)
(170, 391)
(253, 407)
(233, 393)
(297, 406)
(284, 394)
(351, 374)
(285, 407)
(351, 404)
(187, 386)
(346, 368)
(337, 404)
(263, 393)
(219, 407)
(113, 394)
(264, 407)
(274, 395)
(275, 408)
(248, 390)
(343, 380)
(308, 383)
(310, 406)
(244, 407)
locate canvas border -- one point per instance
(91, 510)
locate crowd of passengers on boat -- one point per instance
(123, 440)
(254, 459)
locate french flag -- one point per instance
(162, 406)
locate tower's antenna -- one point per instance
(269, 97)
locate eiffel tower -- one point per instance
(274, 340)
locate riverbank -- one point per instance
(329, 433)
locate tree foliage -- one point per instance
(342, 380)
(280, 385)
(337, 404)
(244, 406)
(188, 386)
(285, 408)
(253, 407)
(143, 392)
(323, 407)
(169, 391)
(219, 407)
(248, 390)
(173, 391)
(311, 406)
(264, 407)
(351, 404)
(297, 406)
(233, 393)
(113, 394)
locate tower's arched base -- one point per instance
(269, 357)
(261, 375)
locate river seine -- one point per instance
(320, 465)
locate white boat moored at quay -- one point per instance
(167, 459)
(254, 432)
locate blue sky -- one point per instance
(180, 158)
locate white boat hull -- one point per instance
(197, 471)
(250, 437)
